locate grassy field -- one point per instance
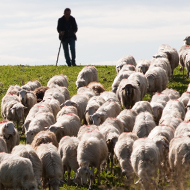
(12, 75)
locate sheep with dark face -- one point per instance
(128, 93)
(121, 75)
(141, 81)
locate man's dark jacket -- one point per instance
(70, 27)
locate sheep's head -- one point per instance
(18, 109)
(8, 129)
(97, 118)
(80, 83)
(128, 89)
(83, 174)
(30, 136)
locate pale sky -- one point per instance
(107, 30)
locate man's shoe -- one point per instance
(74, 64)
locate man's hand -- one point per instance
(62, 33)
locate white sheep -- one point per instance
(171, 121)
(109, 95)
(127, 117)
(173, 94)
(66, 125)
(183, 129)
(31, 85)
(16, 173)
(159, 61)
(28, 99)
(81, 102)
(128, 67)
(121, 75)
(145, 160)
(92, 151)
(128, 93)
(160, 98)
(55, 93)
(52, 167)
(67, 109)
(12, 109)
(172, 106)
(85, 128)
(41, 107)
(68, 152)
(143, 65)
(108, 109)
(141, 81)
(26, 151)
(144, 123)
(86, 75)
(184, 98)
(111, 128)
(123, 150)
(54, 104)
(10, 134)
(142, 106)
(184, 58)
(157, 109)
(13, 89)
(125, 60)
(157, 79)
(179, 153)
(187, 116)
(171, 54)
(38, 124)
(84, 90)
(58, 80)
(92, 106)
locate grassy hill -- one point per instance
(12, 75)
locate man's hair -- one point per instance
(67, 9)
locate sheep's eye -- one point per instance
(32, 133)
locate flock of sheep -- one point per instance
(92, 130)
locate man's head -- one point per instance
(67, 13)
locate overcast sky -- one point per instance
(107, 30)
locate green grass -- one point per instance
(12, 75)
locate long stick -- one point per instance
(58, 52)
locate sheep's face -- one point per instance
(9, 129)
(30, 185)
(83, 174)
(97, 118)
(81, 84)
(22, 96)
(30, 136)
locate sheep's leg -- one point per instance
(69, 176)
(111, 157)
(98, 172)
(17, 124)
(91, 178)
(63, 173)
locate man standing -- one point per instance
(67, 27)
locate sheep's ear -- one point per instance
(62, 105)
